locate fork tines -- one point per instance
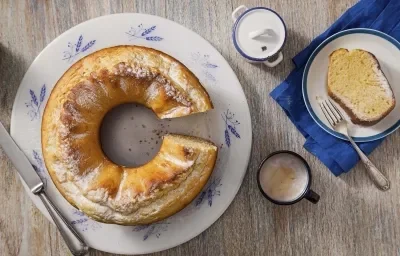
(331, 112)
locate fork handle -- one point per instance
(376, 176)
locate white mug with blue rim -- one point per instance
(259, 34)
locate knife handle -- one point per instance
(73, 240)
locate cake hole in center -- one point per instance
(131, 135)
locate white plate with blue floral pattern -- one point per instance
(228, 125)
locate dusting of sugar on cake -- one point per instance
(383, 81)
(123, 69)
(129, 204)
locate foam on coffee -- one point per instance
(284, 177)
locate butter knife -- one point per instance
(74, 241)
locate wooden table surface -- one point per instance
(352, 217)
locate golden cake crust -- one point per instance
(71, 146)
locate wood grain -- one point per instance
(352, 218)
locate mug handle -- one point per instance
(275, 62)
(236, 11)
(312, 196)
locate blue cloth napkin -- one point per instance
(338, 155)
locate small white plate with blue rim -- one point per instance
(385, 48)
(228, 125)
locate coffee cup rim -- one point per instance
(306, 190)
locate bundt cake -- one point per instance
(71, 146)
(358, 85)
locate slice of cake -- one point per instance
(358, 85)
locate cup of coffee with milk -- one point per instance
(284, 178)
(259, 35)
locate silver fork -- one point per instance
(339, 124)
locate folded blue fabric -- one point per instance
(338, 155)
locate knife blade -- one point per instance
(20, 161)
